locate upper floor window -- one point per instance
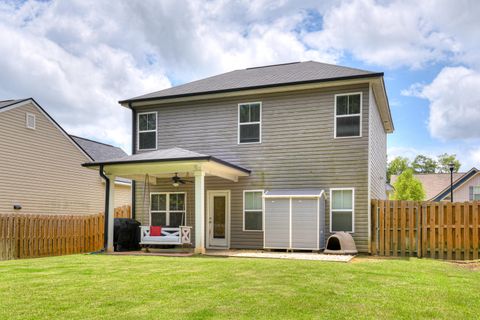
(348, 115)
(30, 121)
(250, 122)
(147, 130)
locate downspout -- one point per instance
(107, 196)
(134, 148)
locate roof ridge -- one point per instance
(14, 101)
(275, 65)
(341, 66)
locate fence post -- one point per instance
(475, 224)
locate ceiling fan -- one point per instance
(177, 180)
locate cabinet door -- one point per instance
(277, 223)
(305, 224)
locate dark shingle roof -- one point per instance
(261, 77)
(99, 151)
(171, 154)
(6, 103)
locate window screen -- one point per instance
(249, 122)
(347, 115)
(167, 209)
(253, 213)
(342, 210)
(147, 130)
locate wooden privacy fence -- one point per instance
(123, 212)
(29, 236)
(439, 230)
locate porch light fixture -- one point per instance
(176, 184)
(451, 166)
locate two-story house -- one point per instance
(246, 157)
(40, 165)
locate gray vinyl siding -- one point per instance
(42, 169)
(298, 150)
(378, 153)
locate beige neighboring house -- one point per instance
(466, 185)
(100, 151)
(40, 165)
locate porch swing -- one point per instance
(160, 235)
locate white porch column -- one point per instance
(199, 212)
(111, 212)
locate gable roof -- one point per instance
(437, 185)
(260, 77)
(6, 105)
(457, 183)
(99, 151)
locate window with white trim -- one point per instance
(476, 193)
(348, 118)
(341, 210)
(168, 209)
(249, 122)
(253, 210)
(30, 121)
(147, 130)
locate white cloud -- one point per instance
(78, 58)
(454, 98)
(398, 33)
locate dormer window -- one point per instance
(147, 131)
(348, 115)
(30, 121)
(250, 122)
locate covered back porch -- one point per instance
(177, 165)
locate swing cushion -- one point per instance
(155, 231)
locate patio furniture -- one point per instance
(169, 236)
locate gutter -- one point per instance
(145, 99)
(107, 196)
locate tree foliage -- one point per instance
(444, 161)
(407, 187)
(424, 164)
(397, 166)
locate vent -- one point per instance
(30, 119)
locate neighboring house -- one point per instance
(259, 146)
(40, 165)
(466, 185)
(100, 151)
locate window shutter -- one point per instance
(470, 193)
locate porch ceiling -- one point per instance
(164, 163)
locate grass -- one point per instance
(139, 287)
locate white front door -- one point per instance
(218, 219)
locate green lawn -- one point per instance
(134, 287)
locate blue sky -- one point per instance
(77, 58)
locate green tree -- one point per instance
(424, 164)
(444, 161)
(397, 166)
(407, 187)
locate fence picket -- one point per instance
(475, 225)
(388, 215)
(437, 230)
(26, 236)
